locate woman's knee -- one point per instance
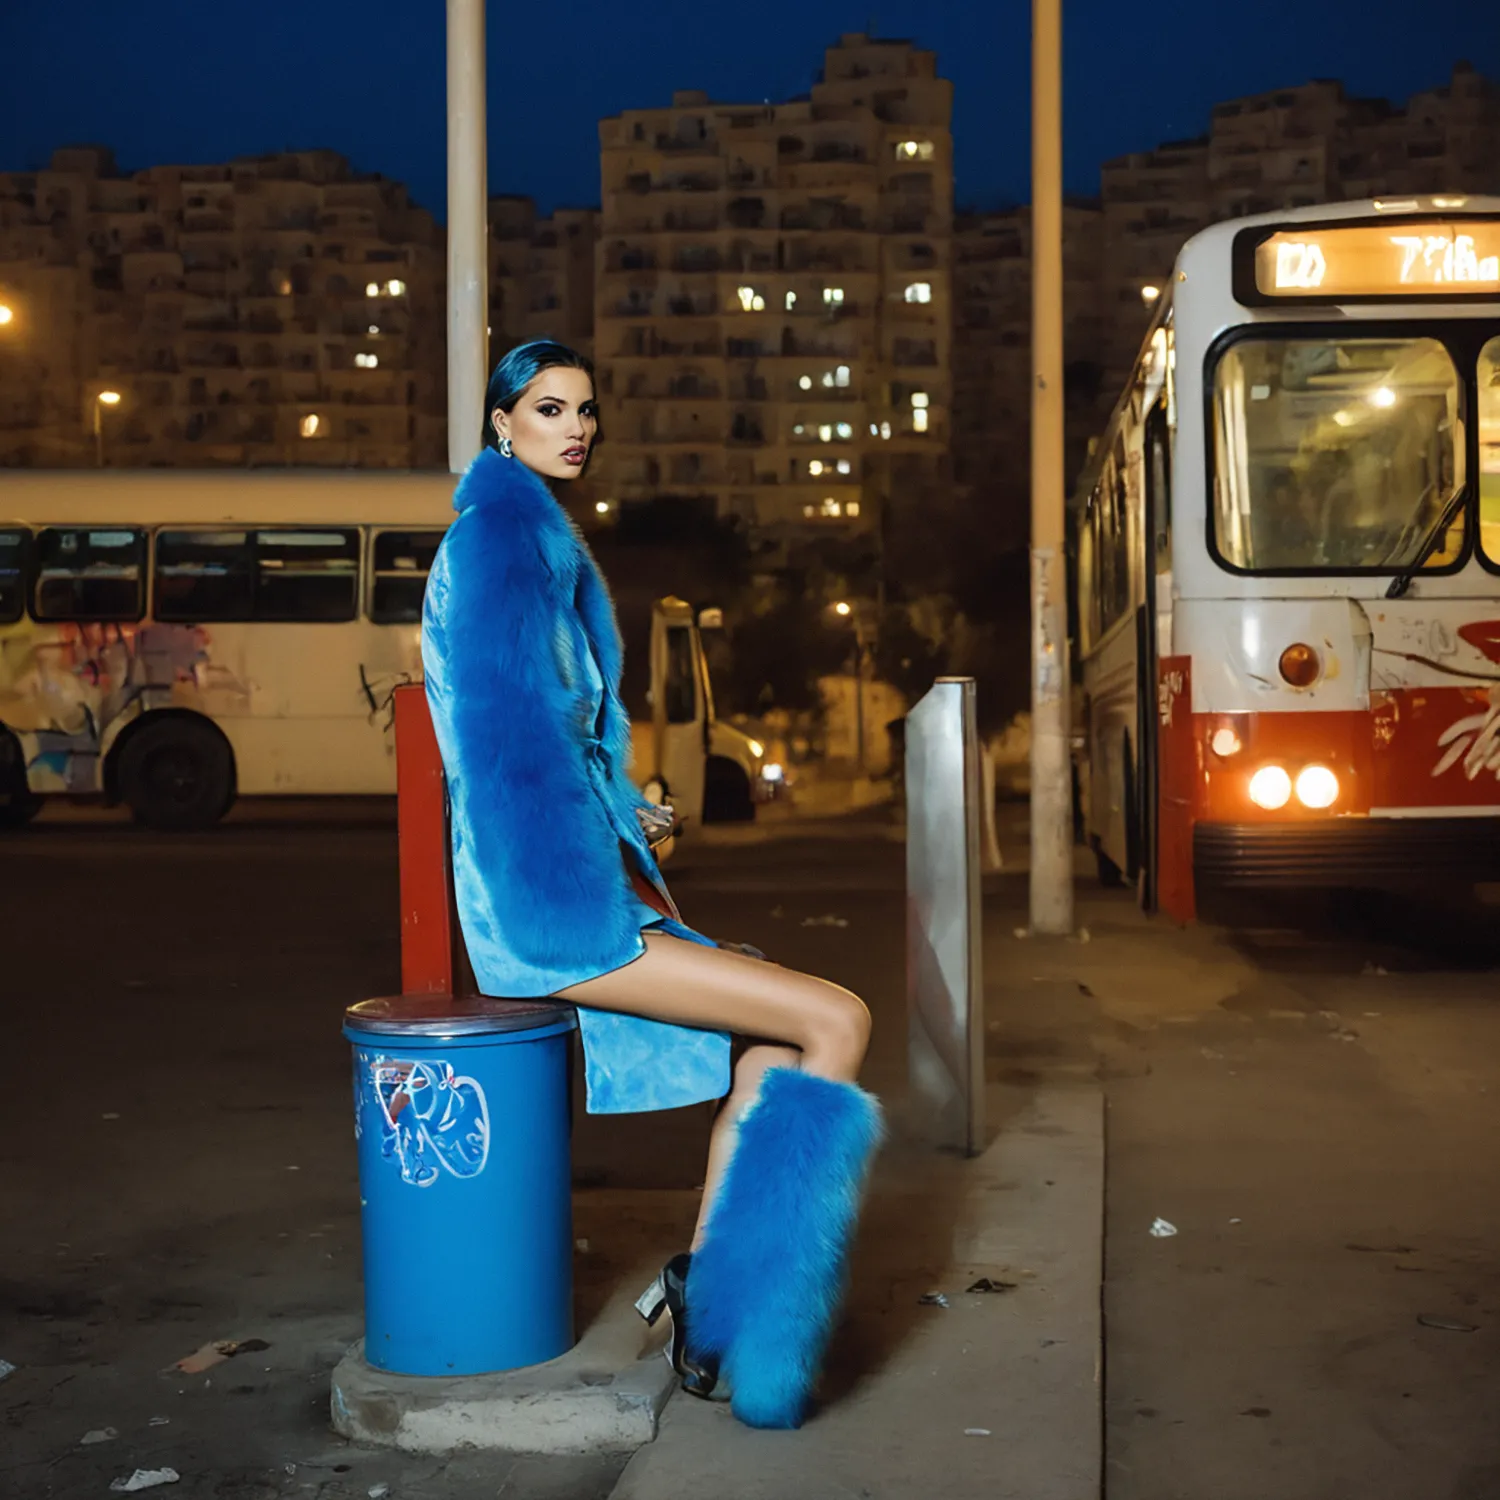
(753, 1064)
(842, 1027)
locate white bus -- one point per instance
(173, 640)
(1288, 563)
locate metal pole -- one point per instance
(98, 433)
(468, 270)
(1051, 782)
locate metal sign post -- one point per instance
(468, 269)
(944, 961)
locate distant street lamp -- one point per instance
(7, 314)
(851, 612)
(103, 399)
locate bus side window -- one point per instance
(203, 576)
(681, 699)
(15, 558)
(307, 575)
(90, 575)
(401, 561)
(1159, 488)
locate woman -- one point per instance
(559, 894)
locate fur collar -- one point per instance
(528, 526)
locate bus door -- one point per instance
(678, 708)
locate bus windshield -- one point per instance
(1336, 454)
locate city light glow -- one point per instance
(109, 398)
(367, 361)
(843, 608)
(919, 419)
(310, 424)
(919, 291)
(815, 467)
(7, 315)
(805, 382)
(833, 296)
(373, 289)
(1382, 396)
(602, 507)
(1149, 294)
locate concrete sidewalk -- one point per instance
(996, 1394)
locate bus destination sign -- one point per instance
(1405, 259)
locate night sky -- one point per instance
(167, 80)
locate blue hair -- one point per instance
(517, 370)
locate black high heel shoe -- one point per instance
(669, 1292)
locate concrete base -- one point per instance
(563, 1406)
(605, 1395)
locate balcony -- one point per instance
(692, 307)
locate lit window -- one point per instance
(845, 431)
(841, 376)
(750, 299)
(919, 291)
(828, 379)
(310, 425)
(396, 288)
(844, 466)
(798, 430)
(815, 467)
(885, 429)
(831, 507)
(373, 290)
(874, 429)
(919, 399)
(602, 507)
(825, 433)
(373, 328)
(919, 419)
(914, 151)
(808, 510)
(851, 508)
(791, 301)
(833, 296)
(806, 382)
(367, 361)
(284, 287)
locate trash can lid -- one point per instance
(454, 1015)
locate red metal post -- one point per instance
(428, 921)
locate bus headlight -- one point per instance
(772, 771)
(1317, 786)
(1271, 788)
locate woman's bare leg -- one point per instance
(747, 1075)
(676, 980)
(824, 1028)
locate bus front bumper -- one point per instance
(1354, 853)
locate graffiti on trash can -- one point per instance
(431, 1119)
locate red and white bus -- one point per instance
(1288, 563)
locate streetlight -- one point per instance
(103, 399)
(846, 611)
(7, 314)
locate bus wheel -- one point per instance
(177, 774)
(18, 803)
(726, 792)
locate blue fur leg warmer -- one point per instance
(766, 1282)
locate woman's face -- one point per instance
(553, 424)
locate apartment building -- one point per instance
(773, 307)
(541, 274)
(992, 353)
(1285, 149)
(270, 310)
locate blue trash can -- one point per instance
(462, 1117)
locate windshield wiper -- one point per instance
(1403, 580)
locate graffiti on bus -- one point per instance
(65, 689)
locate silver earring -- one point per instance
(506, 451)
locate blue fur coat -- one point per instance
(537, 756)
